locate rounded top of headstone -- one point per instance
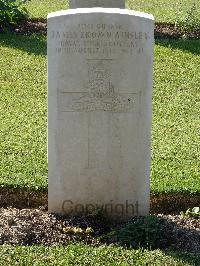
(97, 3)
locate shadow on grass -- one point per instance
(32, 44)
(18, 197)
(191, 258)
(177, 236)
(173, 202)
(192, 46)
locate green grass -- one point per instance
(81, 254)
(176, 105)
(164, 11)
(40, 8)
(23, 112)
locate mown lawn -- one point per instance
(164, 11)
(23, 111)
(81, 254)
(23, 114)
(176, 112)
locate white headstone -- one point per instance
(97, 3)
(99, 111)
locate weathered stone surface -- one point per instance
(99, 110)
(97, 3)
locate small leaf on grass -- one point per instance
(73, 230)
(89, 230)
(196, 210)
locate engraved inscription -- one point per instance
(102, 95)
(99, 93)
(105, 39)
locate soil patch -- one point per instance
(173, 203)
(36, 226)
(23, 198)
(170, 31)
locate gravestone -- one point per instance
(99, 110)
